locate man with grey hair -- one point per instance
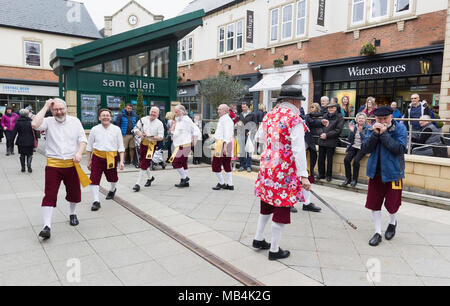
(428, 137)
(224, 148)
(185, 135)
(66, 142)
(150, 130)
(324, 101)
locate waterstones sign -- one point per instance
(373, 71)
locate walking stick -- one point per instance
(333, 210)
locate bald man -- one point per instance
(224, 148)
(150, 130)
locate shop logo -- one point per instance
(133, 85)
(425, 67)
(357, 71)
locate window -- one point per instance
(379, 9)
(90, 105)
(95, 68)
(190, 46)
(32, 54)
(221, 40)
(116, 66)
(239, 34)
(402, 6)
(138, 64)
(230, 37)
(287, 22)
(183, 50)
(159, 63)
(358, 10)
(274, 25)
(301, 18)
(178, 53)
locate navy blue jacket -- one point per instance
(391, 147)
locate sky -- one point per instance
(98, 9)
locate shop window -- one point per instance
(117, 66)
(286, 27)
(159, 61)
(328, 86)
(436, 79)
(389, 86)
(361, 92)
(362, 84)
(412, 81)
(138, 64)
(95, 68)
(380, 87)
(274, 15)
(424, 80)
(358, 11)
(344, 85)
(401, 82)
(353, 85)
(90, 105)
(379, 9)
(336, 86)
(370, 91)
(113, 103)
(32, 54)
(301, 18)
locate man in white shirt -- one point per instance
(104, 141)
(185, 135)
(150, 130)
(224, 148)
(66, 141)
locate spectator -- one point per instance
(8, 122)
(260, 113)
(415, 111)
(247, 124)
(347, 110)
(397, 113)
(169, 121)
(324, 101)
(25, 139)
(233, 113)
(1, 129)
(355, 139)
(333, 124)
(314, 124)
(429, 136)
(370, 107)
(127, 122)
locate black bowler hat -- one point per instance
(383, 110)
(291, 92)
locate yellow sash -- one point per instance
(151, 148)
(174, 154)
(219, 148)
(109, 156)
(69, 163)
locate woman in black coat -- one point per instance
(332, 123)
(313, 121)
(25, 139)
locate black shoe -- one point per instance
(345, 183)
(183, 183)
(279, 255)
(328, 178)
(319, 177)
(353, 184)
(219, 186)
(228, 187)
(390, 231)
(294, 210)
(136, 188)
(149, 182)
(74, 219)
(376, 239)
(45, 233)
(30, 170)
(311, 207)
(95, 206)
(163, 165)
(23, 170)
(111, 194)
(263, 245)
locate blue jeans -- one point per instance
(246, 162)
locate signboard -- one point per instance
(250, 26)
(321, 14)
(29, 90)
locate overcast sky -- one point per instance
(98, 9)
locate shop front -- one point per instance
(113, 71)
(189, 97)
(388, 77)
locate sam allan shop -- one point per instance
(388, 77)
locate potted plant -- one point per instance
(368, 49)
(277, 63)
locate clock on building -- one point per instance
(132, 20)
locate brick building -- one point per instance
(319, 42)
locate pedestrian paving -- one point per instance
(116, 247)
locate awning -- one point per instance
(273, 81)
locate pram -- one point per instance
(158, 158)
(137, 153)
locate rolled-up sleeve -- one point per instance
(81, 133)
(120, 141)
(91, 140)
(298, 150)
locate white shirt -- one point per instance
(153, 128)
(225, 129)
(108, 140)
(62, 138)
(185, 131)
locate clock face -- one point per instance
(132, 20)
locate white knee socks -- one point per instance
(220, 178)
(393, 220)
(113, 186)
(141, 176)
(307, 196)
(94, 191)
(72, 208)
(377, 221)
(277, 228)
(47, 213)
(262, 221)
(230, 178)
(182, 173)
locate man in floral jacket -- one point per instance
(283, 169)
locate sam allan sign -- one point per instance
(133, 85)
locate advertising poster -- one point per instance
(2, 109)
(350, 94)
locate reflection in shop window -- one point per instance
(159, 60)
(117, 66)
(138, 64)
(95, 68)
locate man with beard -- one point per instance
(185, 135)
(104, 141)
(151, 130)
(66, 142)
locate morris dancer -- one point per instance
(185, 135)
(283, 170)
(224, 148)
(104, 141)
(151, 130)
(65, 145)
